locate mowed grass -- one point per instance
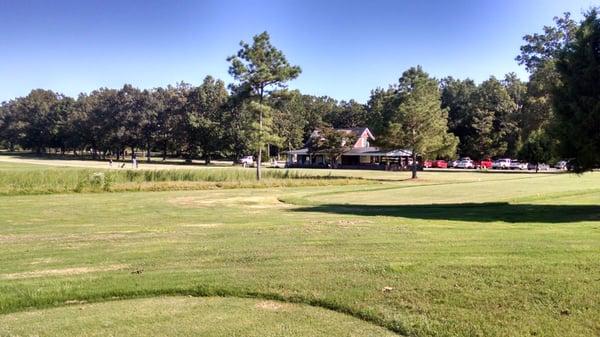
(184, 316)
(456, 254)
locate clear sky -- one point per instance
(345, 48)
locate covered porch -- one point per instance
(357, 158)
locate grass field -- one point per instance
(452, 254)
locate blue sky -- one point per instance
(345, 48)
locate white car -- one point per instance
(561, 165)
(247, 161)
(465, 163)
(541, 166)
(501, 164)
(517, 165)
(452, 163)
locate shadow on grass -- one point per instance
(477, 212)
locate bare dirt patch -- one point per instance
(61, 272)
(340, 222)
(202, 225)
(44, 260)
(252, 202)
(271, 305)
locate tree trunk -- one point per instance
(148, 152)
(207, 159)
(258, 160)
(260, 124)
(414, 165)
(165, 151)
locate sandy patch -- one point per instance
(258, 202)
(270, 305)
(44, 260)
(341, 223)
(61, 272)
(202, 225)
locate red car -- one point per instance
(439, 164)
(435, 163)
(483, 164)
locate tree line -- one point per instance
(553, 114)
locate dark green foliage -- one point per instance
(348, 114)
(418, 122)
(289, 115)
(486, 117)
(577, 97)
(458, 97)
(538, 148)
(206, 118)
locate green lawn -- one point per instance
(452, 254)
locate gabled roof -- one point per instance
(358, 131)
(354, 131)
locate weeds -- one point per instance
(71, 180)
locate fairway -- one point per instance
(450, 254)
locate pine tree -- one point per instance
(419, 122)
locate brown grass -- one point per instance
(61, 272)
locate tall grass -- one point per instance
(66, 180)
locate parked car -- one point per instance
(483, 164)
(452, 163)
(501, 164)
(439, 164)
(518, 165)
(541, 166)
(247, 161)
(427, 164)
(562, 165)
(465, 163)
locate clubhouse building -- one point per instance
(360, 156)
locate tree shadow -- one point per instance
(476, 212)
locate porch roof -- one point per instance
(362, 151)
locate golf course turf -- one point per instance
(450, 254)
